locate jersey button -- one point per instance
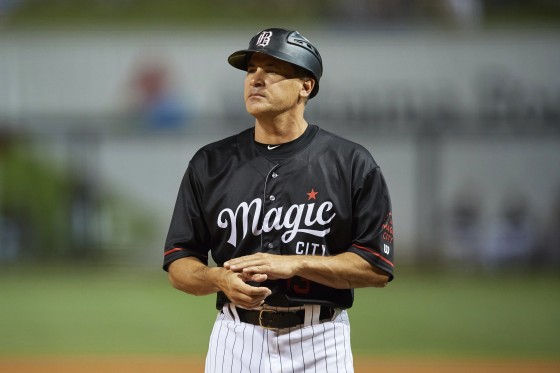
(274, 175)
(270, 245)
(272, 198)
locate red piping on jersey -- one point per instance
(172, 250)
(175, 249)
(374, 253)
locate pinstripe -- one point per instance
(208, 354)
(268, 350)
(279, 354)
(345, 338)
(335, 344)
(242, 347)
(207, 362)
(211, 356)
(313, 340)
(225, 344)
(261, 362)
(252, 345)
(325, 347)
(290, 346)
(217, 340)
(234, 348)
(347, 350)
(254, 352)
(336, 341)
(265, 344)
(301, 342)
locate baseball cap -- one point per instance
(285, 45)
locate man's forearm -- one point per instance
(194, 277)
(343, 271)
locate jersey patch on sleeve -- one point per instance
(388, 230)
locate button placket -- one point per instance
(268, 239)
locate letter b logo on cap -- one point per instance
(264, 38)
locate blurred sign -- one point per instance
(395, 83)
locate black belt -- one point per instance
(271, 319)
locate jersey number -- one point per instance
(299, 285)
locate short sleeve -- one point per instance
(372, 222)
(188, 233)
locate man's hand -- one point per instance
(255, 267)
(192, 276)
(244, 295)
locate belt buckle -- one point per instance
(260, 319)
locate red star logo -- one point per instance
(312, 194)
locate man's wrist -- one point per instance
(302, 264)
(215, 276)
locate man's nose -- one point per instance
(258, 77)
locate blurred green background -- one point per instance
(102, 104)
(86, 312)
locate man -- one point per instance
(294, 217)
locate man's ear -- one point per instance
(307, 87)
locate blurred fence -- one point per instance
(98, 128)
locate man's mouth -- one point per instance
(256, 94)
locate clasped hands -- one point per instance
(255, 268)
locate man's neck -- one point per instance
(277, 131)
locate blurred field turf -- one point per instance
(76, 311)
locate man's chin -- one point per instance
(257, 109)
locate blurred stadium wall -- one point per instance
(98, 125)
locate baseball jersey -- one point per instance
(327, 198)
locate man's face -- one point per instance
(271, 86)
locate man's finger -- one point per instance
(257, 291)
(261, 269)
(244, 261)
(247, 302)
(241, 265)
(255, 277)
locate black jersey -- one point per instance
(328, 198)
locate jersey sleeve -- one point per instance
(188, 233)
(372, 222)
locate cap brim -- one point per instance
(240, 58)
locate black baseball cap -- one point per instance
(285, 45)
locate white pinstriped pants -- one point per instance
(237, 347)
